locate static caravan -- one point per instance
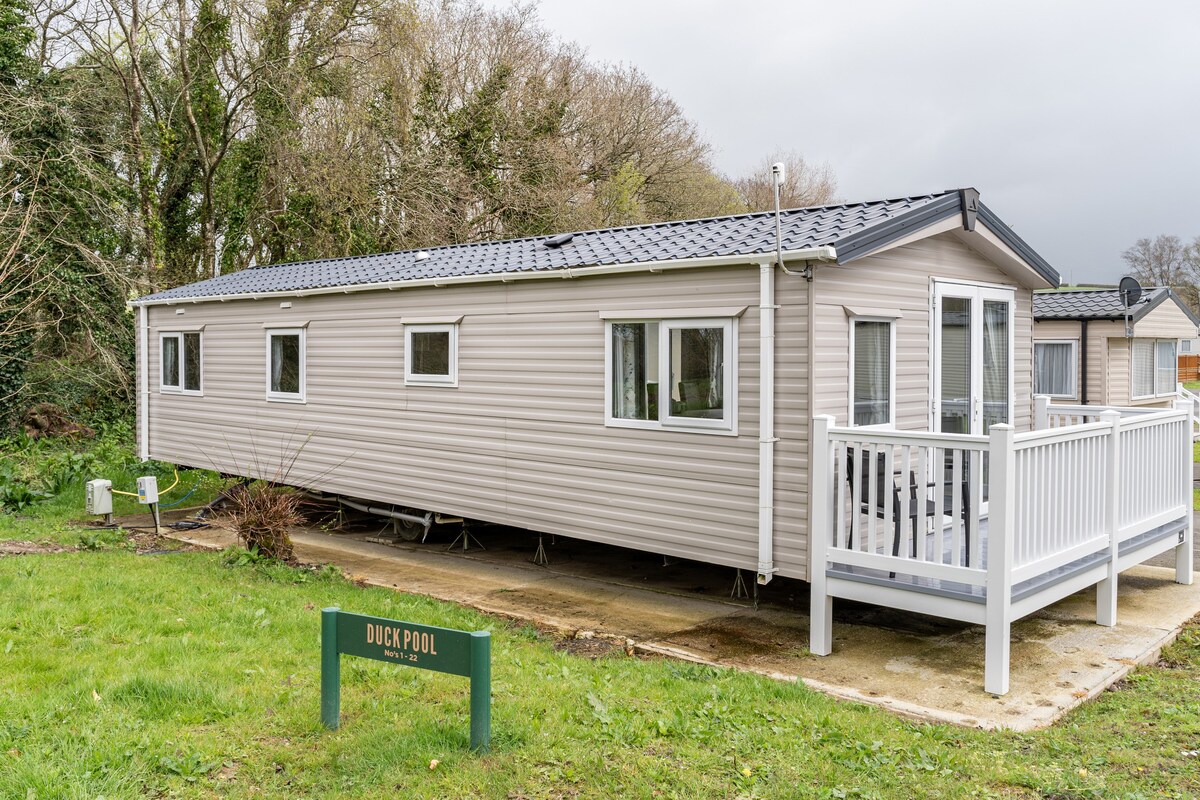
(676, 388)
(1088, 348)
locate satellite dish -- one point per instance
(1131, 290)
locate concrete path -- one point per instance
(916, 666)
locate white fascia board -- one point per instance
(823, 253)
(989, 245)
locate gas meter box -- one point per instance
(99, 496)
(147, 487)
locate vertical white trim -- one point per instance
(1106, 590)
(1001, 528)
(143, 381)
(1041, 412)
(1184, 558)
(820, 629)
(766, 422)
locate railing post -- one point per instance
(1183, 551)
(819, 531)
(1041, 412)
(1106, 590)
(1001, 516)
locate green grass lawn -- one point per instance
(127, 675)
(175, 675)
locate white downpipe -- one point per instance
(766, 423)
(143, 387)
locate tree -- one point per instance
(1167, 261)
(804, 184)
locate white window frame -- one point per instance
(288, 397)
(178, 388)
(449, 381)
(726, 425)
(1154, 393)
(890, 424)
(1074, 343)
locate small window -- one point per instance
(872, 371)
(1153, 369)
(1166, 367)
(431, 354)
(181, 357)
(1055, 368)
(671, 374)
(285, 365)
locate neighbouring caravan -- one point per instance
(1089, 348)
(668, 388)
(604, 385)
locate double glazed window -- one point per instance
(181, 356)
(872, 371)
(1054, 368)
(285, 364)
(671, 373)
(431, 354)
(1153, 368)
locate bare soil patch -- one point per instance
(21, 548)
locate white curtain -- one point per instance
(872, 372)
(1143, 367)
(1054, 368)
(716, 372)
(626, 348)
(170, 360)
(1167, 366)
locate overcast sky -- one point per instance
(1079, 122)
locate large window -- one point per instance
(671, 373)
(285, 364)
(181, 356)
(431, 354)
(1153, 368)
(872, 371)
(1055, 367)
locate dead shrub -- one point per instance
(48, 419)
(262, 514)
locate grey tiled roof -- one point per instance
(860, 226)
(1093, 303)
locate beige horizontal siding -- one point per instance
(900, 280)
(521, 440)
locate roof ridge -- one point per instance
(612, 229)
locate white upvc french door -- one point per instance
(972, 367)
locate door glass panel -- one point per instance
(955, 400)
(996, 363)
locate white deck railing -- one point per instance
(990, 529)
(1193, 399)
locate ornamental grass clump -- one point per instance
(262, 514)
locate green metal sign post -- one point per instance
(465, 653)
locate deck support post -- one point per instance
(1041, 412)
(1106, 590)
(820, 630)
(1184, 558)
(998, 611)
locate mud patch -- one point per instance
(146, 544)
(755, 640)
(21, 548)
(587, 648)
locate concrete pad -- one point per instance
(916, 666)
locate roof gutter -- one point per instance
(823, 253)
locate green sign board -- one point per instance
(465, 653)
